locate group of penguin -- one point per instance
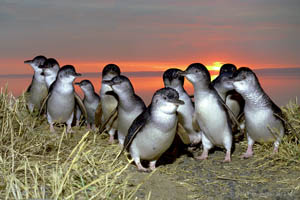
(146, 132)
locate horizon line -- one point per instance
(261, 71)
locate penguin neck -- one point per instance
(49, 80)
(64, 87)
(256, 98)
(162, 120)
(221, 93)
(179, 89)
(200, 88)
(89, 95)
(126, 99)
(38, 77)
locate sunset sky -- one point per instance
(151, 35)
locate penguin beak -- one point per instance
(182, 73)
(28, 61)
(176, 101)
(77, 74)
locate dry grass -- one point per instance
(36, 164)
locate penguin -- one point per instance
(90, 101)
(153, 131)
(263, 118)
(50, 69)
(129, 107)
(186, 111)
(210, 113)
(37, 90)
(233, 100)
(62, 97)
(108, 103)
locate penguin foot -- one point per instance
(111, 139)
(152, 165)
(203, 156)
(275, 151)
(248, 153)
(52, 130)
(141, 168)
(227, 157)
(69, 129)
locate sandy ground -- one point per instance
(258, 177)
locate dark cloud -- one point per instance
(262, 31)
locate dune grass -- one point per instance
(37, 164)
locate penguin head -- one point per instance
(245, 80)
(197, 73)
(50, 67)
(166, 100)
(85, 85)
(223, 81)
(120, 84)
(67, 74)
(227, 70)
(172, 78)
(110, 71)
(36, 62)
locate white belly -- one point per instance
(151, 143)
(109, 103)
(60, 107)
(125, 120)
(213, 120)
(259, 122)
(38, 92)
(91, 109)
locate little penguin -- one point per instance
(61, 98)
(50, 69)
(153, 131)
(37, 90)
(90, 101)
(186, 111)
(129, 107)
(108, 103)
(211, 115)
(233, 100)
(263, 118)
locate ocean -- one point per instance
(281, 87)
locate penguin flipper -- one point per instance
(195, 124)
(183, 134)
(81, 105)
(109, 120)
(43, 106)
(113, 118)
(28, 89)
(231, 113)
(136, 127)
(98, 115)
(112, 93)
